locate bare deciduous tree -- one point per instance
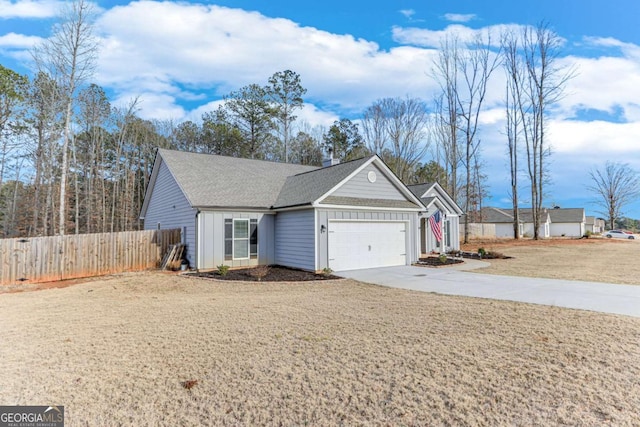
(445, 72)
(616, 185)
(476, 64)
(398, 131)
(543, 84)
(68, 57)
(513, 70)
(463, 74)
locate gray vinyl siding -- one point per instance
(324, 215)
(359, 186)
(169, 207)
(211, 239)
(294, 239)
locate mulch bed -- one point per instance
(487, 255)
(276, 274)
(434, 261)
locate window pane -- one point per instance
(254, 238)
(241, 229)
(228, 239)
(241, 249)
(228, 247)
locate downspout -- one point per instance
(196, 251)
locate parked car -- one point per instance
(619, 234)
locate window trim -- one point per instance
(242, 239)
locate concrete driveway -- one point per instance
(602, 297)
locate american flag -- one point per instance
(434, 222)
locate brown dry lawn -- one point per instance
(116, 351)
(592, 260)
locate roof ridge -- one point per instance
(334, 166)
(238, 158)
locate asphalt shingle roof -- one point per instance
(418, 190)
(305, 188)
(497, 215)
(567, 215)
(220, 181)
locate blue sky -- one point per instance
(179, 58)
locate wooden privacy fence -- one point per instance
(43, 259)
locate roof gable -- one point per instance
(369, 181)
(307, 187)
(433, 193)
(324, 185)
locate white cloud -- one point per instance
(629, 49)
(313, 115)
(598, 139)
(151, 105)
(459, 17)
(408, 13)
(177, 48)
(29, 8)
(606, 83)
(432, 38)
(19, 41)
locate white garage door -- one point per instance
(355, 245)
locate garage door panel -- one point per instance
(361, 244)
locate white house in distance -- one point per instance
(567, 222)
(243, 212)
(556, 222)
(594, 225)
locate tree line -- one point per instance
(71, 162)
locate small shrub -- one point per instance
(442, 258)
(327, 271)
(482, 252)
(260, 272)
(223, 270)
(587, 234)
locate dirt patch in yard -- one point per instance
(592, 260)
(157, 349)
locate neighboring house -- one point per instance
(436, 199)
(594, 225)
(502, 219)
(243, 212)
(567, 222)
